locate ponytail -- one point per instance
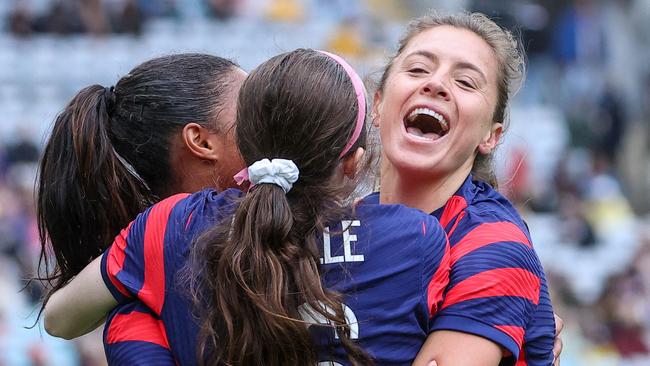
(253, 274)
(260, 271)
(108, 156)
(85, 192)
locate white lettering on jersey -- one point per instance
(311, 317)
(327, 250)
(348, 238)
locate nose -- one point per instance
(435, 87)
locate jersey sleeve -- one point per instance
(134, 335)
(436, 266)
(134, 265)
(494, 287)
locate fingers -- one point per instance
(557, 343)
(559, 324)
(557, 350)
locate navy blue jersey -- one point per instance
(135, 336)
(497, 288)
(390, 262)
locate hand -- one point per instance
(557, 344)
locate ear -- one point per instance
(200, 141)
(491, 139)
(351, 163)
(376, 103)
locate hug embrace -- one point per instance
(212, 211)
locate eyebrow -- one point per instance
(460, 64)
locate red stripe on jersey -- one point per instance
(115, 260)
(424, 229)
(187, 224)
(494, 283)
(522, 358)
(153, 289)
(488, 233)
(438, 283)
(460, 217)
(137, 326)
(453, 207)
(516, 333)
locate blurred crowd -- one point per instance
(575, 159)
(99, 17)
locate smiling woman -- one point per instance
(441, 108)
(445, 102)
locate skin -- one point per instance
(82, 305)
(200, 158)
(459, 83)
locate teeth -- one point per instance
(434, 114)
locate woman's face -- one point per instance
(435, 110)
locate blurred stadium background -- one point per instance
(576, 158)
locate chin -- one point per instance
(413, 168)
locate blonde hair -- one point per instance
(509, 55)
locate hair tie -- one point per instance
(281, 172)
(360, 91)
(109, 99)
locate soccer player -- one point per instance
(164, 128)
(441, 108)
(285, 274)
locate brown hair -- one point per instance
(508, 52)
(107, 158)
(254, 270)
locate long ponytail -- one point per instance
(257, 269)
(263, 269)
(108, 156)
(85, 192)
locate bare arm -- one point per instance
(451, 348)
(80, 306)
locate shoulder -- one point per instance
(489, 212)
(208, 197)
(206, 207)
(489, 205)
(491, 231)
(396, 216)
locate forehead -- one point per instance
(456, 45)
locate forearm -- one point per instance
(80, 306)
(451, 348)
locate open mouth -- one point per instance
(426, 123)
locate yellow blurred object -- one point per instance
(607, 214)
(389, 9)
(346, 41)
(285, 11)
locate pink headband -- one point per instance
(361, 99)
(359, 90)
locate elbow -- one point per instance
(54, 322)
(54, 327)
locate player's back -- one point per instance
(391, 264)
(389, 261)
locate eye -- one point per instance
(466, 83)
(417, 70)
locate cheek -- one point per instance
(480, 117)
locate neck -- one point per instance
(426, 194)
(189, 174)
